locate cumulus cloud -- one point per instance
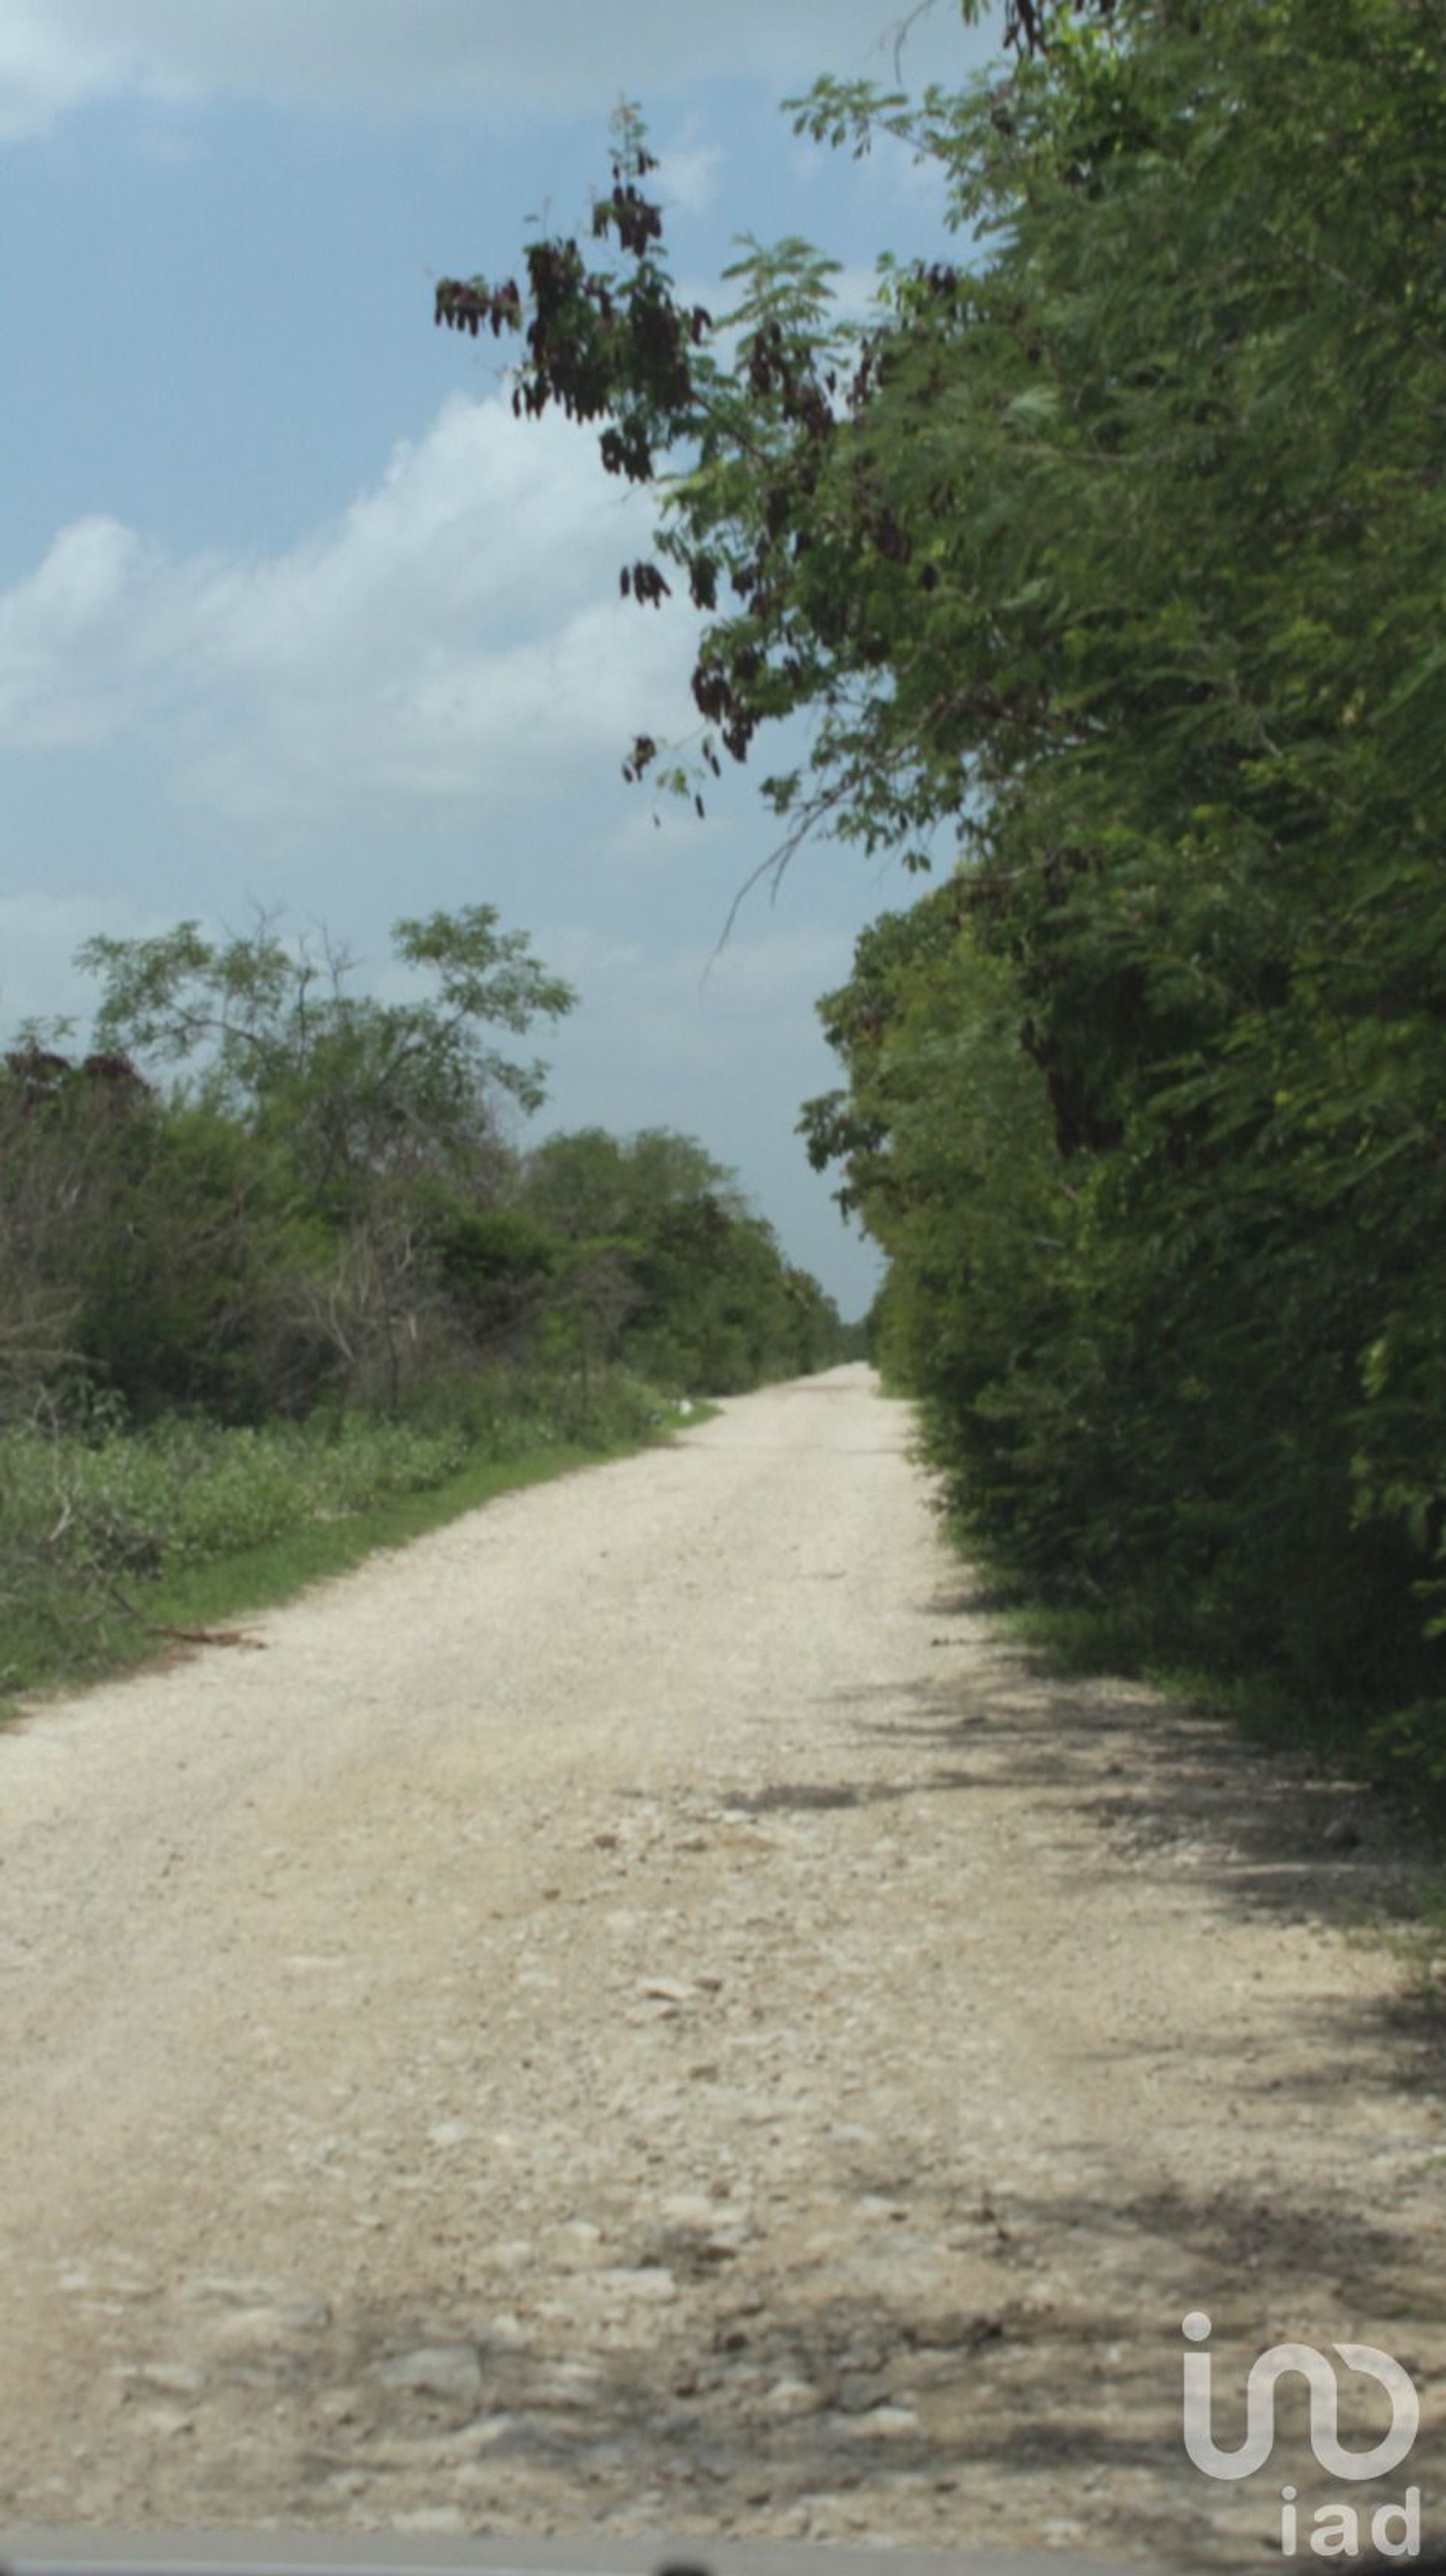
(458, 627)
(688, 170)
(555, 57)
(59, 634)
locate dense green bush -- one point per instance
(1108, 563)
(308, 1277)
(183, 1490)
(667, 1270)
(503, 1412)
(1145, 1102)
(319, 1214)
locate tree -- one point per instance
(353, 1084)
(1108, 564)
(668, 1268)
(59, 1124)
(361, 1104)
(588, 1184)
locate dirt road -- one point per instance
(642, 2012)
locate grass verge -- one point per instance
(246, 1580)
(1077, 1642)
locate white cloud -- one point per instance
(555, 57)
(47, 68)
(457, 632)
(688, 170)
(59, 631)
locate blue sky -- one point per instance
(293, 613)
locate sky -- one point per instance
(294, 616)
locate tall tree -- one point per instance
(359, 1102)
(1107, 561)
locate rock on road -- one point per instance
(642, 2011)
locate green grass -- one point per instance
(160, 1536)
(1079, 1640)
(1085, 1640)
(1076, 1641)
(258, 1577)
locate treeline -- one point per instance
(275, 1271)
(1109, 561)
(1147, 1102)
(263, 1195)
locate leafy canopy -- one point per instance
(351, 1082)
(1107, 561)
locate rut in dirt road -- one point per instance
(642, 2012)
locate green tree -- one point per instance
(353, 1085)
(60, 1126)
(152, 1247)
(1107, 562)
(365, 1107)
(588, 1184)
(668, 1267)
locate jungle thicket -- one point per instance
(1108, 558)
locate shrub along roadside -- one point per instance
(112, 1541)
(1108, 559)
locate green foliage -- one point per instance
(498, 1268)
(324, 1215)
(92, 1519)
(536, 1404)
(310, 1278)
(186, 1489)
(275, 1230)
(1187, 591)
(588, 1185)
(666, 1268)
(1108, 565)
(192, 1283)
(108, 1536)
(353, 1085)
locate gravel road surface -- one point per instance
(644, 2012)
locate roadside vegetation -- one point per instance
(116, 1549)
(277, 1280)
(1108, 559)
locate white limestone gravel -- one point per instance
(641, 2012)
